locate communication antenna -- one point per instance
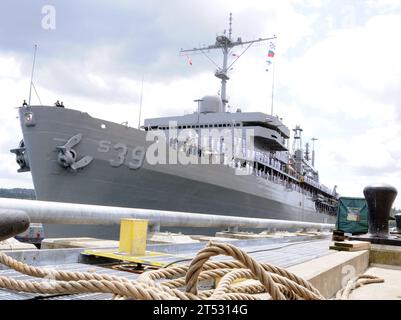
(140, 103)
(33, 69)
(313, 150)
(226, 44)
(230, 30)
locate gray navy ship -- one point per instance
(211, 161)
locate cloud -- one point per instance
(133, 38)
(384, 6)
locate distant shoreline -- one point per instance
(18, 193)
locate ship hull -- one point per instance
(211, 189)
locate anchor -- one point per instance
(21, 156)
(67, 156)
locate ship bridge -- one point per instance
(268, 131)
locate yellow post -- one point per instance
(133, 233)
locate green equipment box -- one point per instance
(352, 215)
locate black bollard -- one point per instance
(398, 222)
(12, 222)
(380, 199)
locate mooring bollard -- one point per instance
(12, 222)
(133, 235)
(398, 222)
(380, 199)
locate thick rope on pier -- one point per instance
(241, 279)
(356, 283)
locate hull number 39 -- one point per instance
(132, 158)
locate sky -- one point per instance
(337, 71)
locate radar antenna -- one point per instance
(226, 44)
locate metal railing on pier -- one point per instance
(68, 213)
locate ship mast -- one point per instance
(226, 44)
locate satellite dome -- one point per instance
(211, 104)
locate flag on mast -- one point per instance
(189, 60)
(270, 55)
(272, 45)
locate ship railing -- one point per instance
(68, 213)
(260, 157)
(319, 186)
